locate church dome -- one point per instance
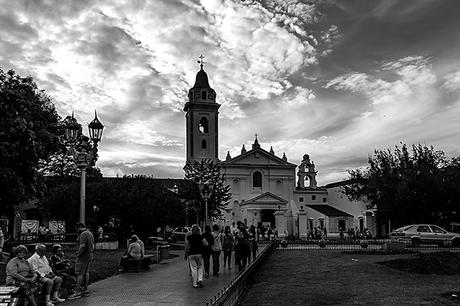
(201, 80)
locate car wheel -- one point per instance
(415, 242)
(456, 242)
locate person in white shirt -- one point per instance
(51, 283)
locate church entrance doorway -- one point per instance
(267, 217)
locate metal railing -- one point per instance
(25, 238)
(230, 294)
(292, 243)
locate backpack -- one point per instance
(227, 245)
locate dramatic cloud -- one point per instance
(332, 79)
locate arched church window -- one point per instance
(203, 95)
(204, 126)
(203, 144)
(257, 179)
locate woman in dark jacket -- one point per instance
(207, 251)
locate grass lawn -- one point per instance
(302, 277)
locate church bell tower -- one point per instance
(202, 119)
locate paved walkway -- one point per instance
(167, 283)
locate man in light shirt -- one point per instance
(51, 282)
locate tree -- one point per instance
(206, 170)
(139, 201)
(408, 188)
(29, 132)
(62, 164)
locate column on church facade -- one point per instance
(253, 216)
(303, 224)
(281, 225)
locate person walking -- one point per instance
(194, 245)
(227, 246)
(242, 248)
(207, 250)
(85, 242)
(216, 249)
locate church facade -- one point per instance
(268, 190)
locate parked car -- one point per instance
(416, 234)
(178, 234)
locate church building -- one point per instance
(268, 190)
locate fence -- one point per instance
(27, 238)
(238, 286)
(292, 243)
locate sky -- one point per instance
(332, 79)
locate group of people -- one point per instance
(356, 234)
(39, 275)
(201, 247)
(317, 233)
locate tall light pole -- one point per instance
(206, 189)
(83, 150)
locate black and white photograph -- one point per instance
(229, 152)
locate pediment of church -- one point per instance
(258, 157)
(265, 198)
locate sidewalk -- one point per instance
(167, 283)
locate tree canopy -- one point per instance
(29, 133)
(207, 170)
(138, 201)
(409, 187)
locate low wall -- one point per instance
(112, 245)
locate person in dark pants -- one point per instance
(216, 249)
(242, 248)
(227, 246)
(85, 251)
(207, 250)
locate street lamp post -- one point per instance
(206, 189)
(83, 150)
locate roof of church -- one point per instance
(235, 159)
(342, 183)
(256, 148)
(201, 80)
(329, 211)
(265, 195)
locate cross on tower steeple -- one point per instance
(201, 61)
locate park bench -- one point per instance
(140, 264)
(9, 295)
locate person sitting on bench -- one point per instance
(133, 252)
(63, 268)
(20, 274)
(51, 283)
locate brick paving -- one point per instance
(167, 283)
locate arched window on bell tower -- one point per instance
(203, 144)
(203, 95)
(204, 125)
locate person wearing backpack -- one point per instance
(216, 249)
(227, 246)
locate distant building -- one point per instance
(266, 189)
